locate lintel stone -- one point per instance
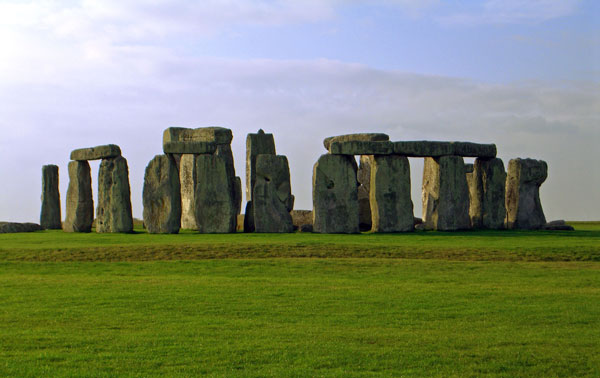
(189, 147)
(361, 148)
(362, 137)
(437, 149)
(96, 153)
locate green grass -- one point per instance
(484, 303)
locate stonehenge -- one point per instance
(486, 193)
(389, 196)
(50, 218)
(523, 206)
(80, 204)
(162, 196)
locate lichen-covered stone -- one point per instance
(272, 198)
(216, 135)
(237, 194)
(113, 213)
(364, 202)
(335, 197)
(256, 144)
(361, 148)
(192, 147)
(50, 218)
(214, 202)
(187, 183)
(13, 227)
(301, 217)
(445, 194)
(523, 206)
(391, 205)
(425, 148)
(360, 137)
(80, 204)
(487, 194)
(162, 196)
(96, 153)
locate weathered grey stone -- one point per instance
(237, 194)
(96, 153)
(13, 227)
(558, 225)
(364, 202)
(217, 135)
(256, 144)
(391, 205)
(272, 198)
(445, 194)
(187, 183)
(113, 213)
(80, 204)
(50, 218)
(437, 149)
(335, 197)
(192, 147)
(301, 217)
(361, 137)
(523, 206)
(361, 148)
(486, 194)
(224, 150)
(214, 202)
(162, 196)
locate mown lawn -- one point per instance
(443, 315)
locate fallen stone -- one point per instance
(187, 183)
(256, 144)
(361, 148)
(364, 203)
(216, 135)
(445, 194)
(96, 153)
(363, 137)
(80, 204)
(162, 196)
(523, 206)
(335, 197)
(50, 218)
(558, 225)
(487, 194)
(438, 149)
(391, 205)
(13, 227)
(214, 203)
(192, 147)
(420, 227)
(113, 213)
(272, 199)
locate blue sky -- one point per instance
(522, 74)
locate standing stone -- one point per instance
(256, 144)
(391, 205)
(237, 198)
(161, 196)
(335, 197)
(272, 198)
(113, 213)
(523, 206)
(187, 181)
(486, 194)
(445, 194)
(80, 204)
(364, 203)
(224, 150)
(214, 203)
(50, 218)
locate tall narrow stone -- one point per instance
(214, 203)
(256, 144)
(272, 198)
(161, 196)
(335, 198)
(187, 181)
(113, 213)
(50, 215)
(364, 202)
(391, 205)
(486, 194)
(237, 198)
(445, 194)
(80, 204)
(523, 206)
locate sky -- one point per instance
(523, 74)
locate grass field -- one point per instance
(424, 304)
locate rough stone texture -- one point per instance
(162, 196)
(192, 147)
(364, 137)
(239, 227)
(187, 183)
(306, 228)
(486, 194)
(301, 217)
(364, 202)
(558, 225)
(113, 213)
(96, 153)
(80, 204)
(256, 144)
(50, 218)
(12, 227)
(237, 194)
(335, 197)
(437, 149)
(361, 148)
(445, 194)
(217, 135)
(214, 204)
(224, 150)
(272, 198)
(391, 205)
(523, 206)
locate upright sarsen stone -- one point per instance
(335, 199)
(391, 205)
(445, 194)
(80, 204)
(272, 198)
(523, 206)
(486, 194)
(214, 203)
(50, 218)
(187, 181)
(113, 213)
(256, 144)
(364, 187)
(161, 196)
